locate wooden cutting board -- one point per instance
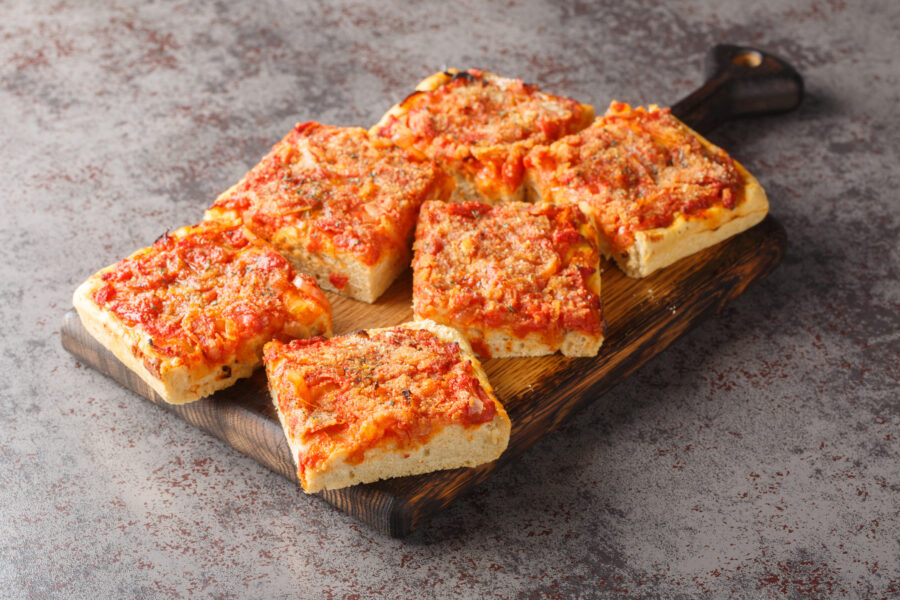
(643, 317)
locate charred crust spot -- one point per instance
(225, 373)
(163, 236)
(410, 97)
(463, 75)
(361, 333)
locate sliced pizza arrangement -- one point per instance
(501, 197)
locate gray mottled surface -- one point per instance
(757, 457)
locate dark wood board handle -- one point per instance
(741, 81)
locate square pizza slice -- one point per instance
(338, 204)
(517, 279)
(191, 313)
(478, 126)
(657, 190)
(384, 403)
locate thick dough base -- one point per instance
(467, 191)
(657, 248)
(365, 283)
(443, 451)
(504, 345)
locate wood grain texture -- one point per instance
(643, 317)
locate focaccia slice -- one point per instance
(338, 204)
(478, 126)
(517, 279)
(191, 313)
(658, 190)
(384, 403)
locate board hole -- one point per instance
(750, 59)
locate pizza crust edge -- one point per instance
(654, 249)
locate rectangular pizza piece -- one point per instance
(384, 403)
(191, 313)
(338, 203)
(478, 126)
(517, 279)
(657, 190)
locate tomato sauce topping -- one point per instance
(638, 170)
(336, 189)
(517, 267)
(483, 125)
(351, 393)
(202, 293)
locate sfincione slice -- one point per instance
(478, 127)
(191, 313)
(384, 403)
(657, 190)
(517, 279)
(338, 203)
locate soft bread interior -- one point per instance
(453, 447)
(364, 282)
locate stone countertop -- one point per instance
(758, 456)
